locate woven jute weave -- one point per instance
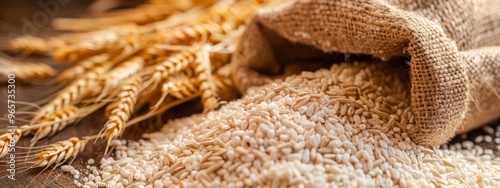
(450, 47)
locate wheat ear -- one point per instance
(222, 79)
(121, 72)
(219, 60)
(9, 139)
(185, 84)
(46, 127)
(172, 65)
(72, 93)
(120, 110)
(153, 11)
(59, 121)
(84, 66)
(25, 71)
(143, 14)
(95, 42)
(203, 72)
(224, 17)
(181, 88)
(188, 86)
(35, 44)
(60, 152)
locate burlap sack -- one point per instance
(454, 64)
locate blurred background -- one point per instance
(19, 15)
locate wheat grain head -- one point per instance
(83, 66)
(121, 110)
(95, 42)
(203, 72)
(172, 65)
(8, 140)
(60, 152)
(72, 93)
(118, 74)
(58, 120)
(24, 70)
(34, 44)
(143, 14)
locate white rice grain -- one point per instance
(306, 137)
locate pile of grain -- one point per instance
(344, 127)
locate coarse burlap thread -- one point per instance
(452, 47)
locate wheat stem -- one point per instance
(121, 110)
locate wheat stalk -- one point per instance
(203, 72)
(184, 73)
(35, 44)
(60, 120)
(9, 139)
(172, 65)
(120, 73)
(72, 93)
(60, 152)
(120, 110)
(186, 86)
(95, 42)
(25, 71)
(84, 66)
(224, 17)
(143, 14)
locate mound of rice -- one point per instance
(343, 127)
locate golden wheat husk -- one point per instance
(109, 63)
(83, 66)
(222, 19)
(118, 74)
(25, 71)
(96, 42)
(9, 139)
(60, 120)
(72, 94)
(172, 65)
(188, 86)
(203, 72)
(119, 112)
(35, 44)
(143, 14)
(60, 152)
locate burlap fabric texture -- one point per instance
(451, 47)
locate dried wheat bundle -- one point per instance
(130, 66)
(24, 71)
(151, 11)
